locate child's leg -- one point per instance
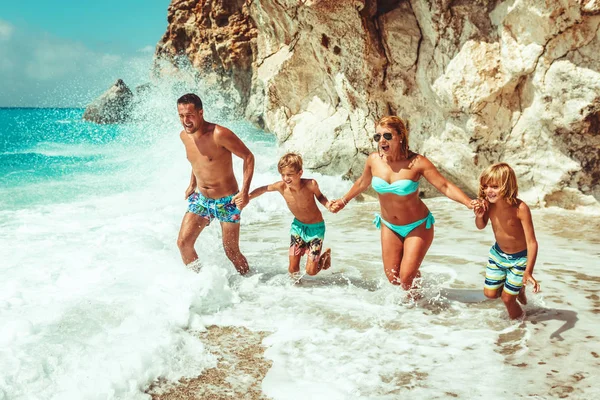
(495, 278)
(294, 266)
(314, 263)
(492, 293)
(297, 249)
(522, 297)
(325, 260)
(513, 308)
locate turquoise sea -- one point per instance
(95, 302)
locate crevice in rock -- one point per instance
(416, 63)
(371, 26)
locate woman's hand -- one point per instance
(337, 205)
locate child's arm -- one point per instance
(481, 214)
(274, 187)
(319, 196)
(524, 214)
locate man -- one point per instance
(213, 192)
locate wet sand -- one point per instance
(238, 375)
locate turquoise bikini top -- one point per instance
(401, 187)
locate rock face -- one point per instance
(479, 81)
(218, 39)
(112, 107)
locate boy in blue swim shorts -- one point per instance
(512, 257)
(308, 228)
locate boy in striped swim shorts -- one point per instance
(512, 257)
(308, 228)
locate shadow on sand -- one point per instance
(547, 314)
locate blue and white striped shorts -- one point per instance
(505, 269)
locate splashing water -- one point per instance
(95, 303)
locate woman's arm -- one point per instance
(445, 187)
(359, 186)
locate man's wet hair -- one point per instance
(190, 98)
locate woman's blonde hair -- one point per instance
(500, 174)
(290, 160)
(397, 124)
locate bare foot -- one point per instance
(521, 297)
(296, 277)
(194, 266)
(325, 260)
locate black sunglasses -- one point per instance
(386, 136)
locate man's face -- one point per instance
(190, 117)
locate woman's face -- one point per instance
(388, 139)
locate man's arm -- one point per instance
(231, 142)
(192, 187)
(193, 184)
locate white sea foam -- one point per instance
(95, 302)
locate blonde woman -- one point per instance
(405, 222)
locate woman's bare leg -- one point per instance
(416, 245)
(392, 249)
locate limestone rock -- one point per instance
(112, 107)
(217, 39)
(480, 82)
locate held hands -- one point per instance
(241, 200)
(337, 205)
(328, 205)
(527, 277)
(479, 207)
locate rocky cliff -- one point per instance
(480, 81)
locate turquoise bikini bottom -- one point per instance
(404, 230)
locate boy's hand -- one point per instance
(527, 277)
(328, 205)
(241, 200)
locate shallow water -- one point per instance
(95, 303)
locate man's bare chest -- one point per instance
(204, 151)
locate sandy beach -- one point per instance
(238, 375)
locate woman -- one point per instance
(406, 223)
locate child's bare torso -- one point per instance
(302, 203)
(508, 228)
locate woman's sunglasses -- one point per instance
(386, 136)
